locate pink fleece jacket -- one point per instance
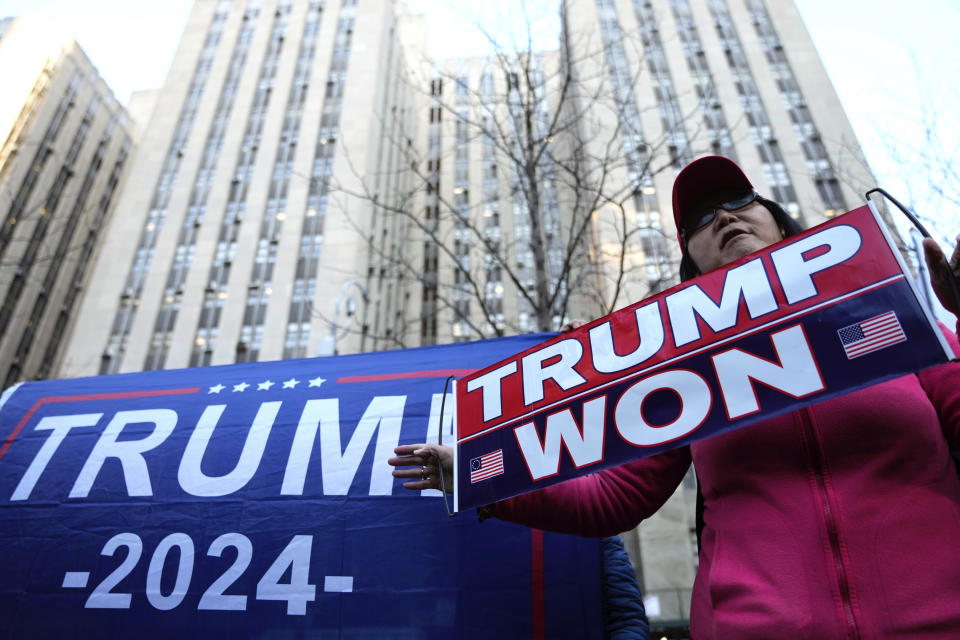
(841, 520)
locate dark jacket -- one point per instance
(623, 615)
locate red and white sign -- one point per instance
(811, 317)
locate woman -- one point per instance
(839, 520)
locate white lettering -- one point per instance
(490, 385)
(384, 414)
(326, 411)
(650, 330)
(295, 475)
(195, 482)
(434, 428)
(795, 271)
(748, 281)
(561, 372)
(695, 400)
(586, 448)
(797, 375)
(59, 426)
(129, 452)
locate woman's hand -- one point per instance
(426, 460)
(939, 276)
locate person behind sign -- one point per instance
(838, 520)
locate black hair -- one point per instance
(789, 226)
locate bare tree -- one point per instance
(565, 174)
(932, 161)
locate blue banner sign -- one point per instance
(254, 500)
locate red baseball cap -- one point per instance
(699, 179)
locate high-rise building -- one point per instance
(277, 160)
(65, 143)
(236, 235)
(309, 181)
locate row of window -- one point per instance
(819, 165)
(299, 315)
(635, 147)
(46, 213)
(773, 168)
(717, 130)
(130, 297)
(429, 308)
(68, 227)
(183, 255)
(669, 109)
(18, 206)
(58, 332)
(261, 275)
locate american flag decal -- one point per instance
(486, 466)
(871, 335)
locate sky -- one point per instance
(893, 64)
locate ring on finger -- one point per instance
(423, 472)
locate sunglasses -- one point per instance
(702, 218)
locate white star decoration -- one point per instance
(292, 383)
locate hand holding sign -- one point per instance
(426, 459)
(939, 276)
(795, 323)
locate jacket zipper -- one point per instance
(833, 533)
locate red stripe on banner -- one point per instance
(90, 396)
(433, 373)
(537, 609)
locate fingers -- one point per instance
(409, 461)
(422, 478)
(420, 485)
(940, 273)
(573, 324)
(424, 460)
(935, 256)
(430, 452)
(411, 455)
(955, 258)
(421, 473)
(408, 449)
(932, 250)
(422, 449)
